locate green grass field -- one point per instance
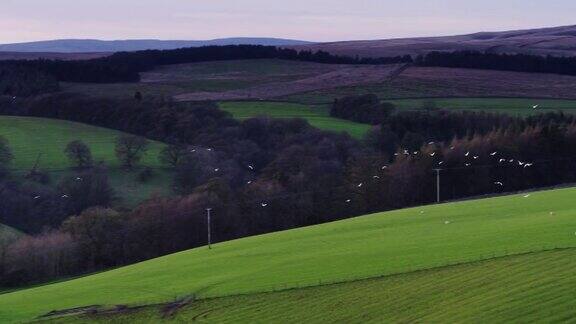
(536, 287)
(28, 137)
(317, 116)
(380, 244)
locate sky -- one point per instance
(314, 20)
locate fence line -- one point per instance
(322, 282)
(319, 282)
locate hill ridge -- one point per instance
(98, 46)
(560, 41)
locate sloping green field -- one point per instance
(32, 138)
(379, 244)
(317, 117)
(535, 287)
(29, 136)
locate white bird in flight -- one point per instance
(432, 154)
(360, 185)
(498, 183)
(535, 106)
(501, 160)
(493, 153)
(264, 204)
(467, 153)
(250, 167)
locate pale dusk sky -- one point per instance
(314, 20)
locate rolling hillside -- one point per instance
(45, 139)
(375, 245)
(501, 290)
(544, 41)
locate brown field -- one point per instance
(430, 82)
(555, 41)
(469, 83)
(314, 83)
(52, 56)
(340, 76)
(209, 77)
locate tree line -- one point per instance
(366, 109)
(502, 62)
(21, 81)
(127, 66)
(261, 175)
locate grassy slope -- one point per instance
(317, 117)
(30, 136)
(385, 243)
(526, 288)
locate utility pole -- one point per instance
(208, 210)
(438, 184)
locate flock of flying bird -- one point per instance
(405, 152)
(433, 154)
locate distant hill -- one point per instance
(50, 56)
(559, 41)
(99, 46)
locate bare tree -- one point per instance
(79, 154)
(173, 155)
(130, 149)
